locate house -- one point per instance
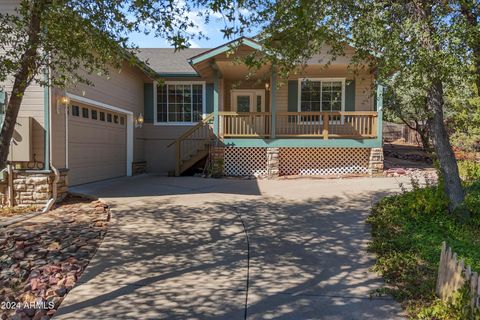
(182, 107)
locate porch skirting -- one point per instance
(274, 162)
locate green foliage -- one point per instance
(408, 230)
(463, 117)
(455, 308)
(469, 170)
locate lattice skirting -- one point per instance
(245, 161)
(323, 161)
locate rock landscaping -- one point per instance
(42, 258)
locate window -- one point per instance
(321, 95)
(85, 112)
(75, 111)
(94, 114)
(122, 121)
(180, 102)
(102, 116)
(115, 118)
(109, 117)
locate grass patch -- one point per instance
(408, 230)
(13, 211)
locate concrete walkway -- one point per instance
(177, 249)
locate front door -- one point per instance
(248, 100)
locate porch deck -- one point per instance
(298, 125)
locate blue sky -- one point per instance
(211, 30)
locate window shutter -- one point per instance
(148, 102)
(3, 102)
(350, 95)
(209, 98)
(292, 95)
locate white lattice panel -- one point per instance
(245, 161)
(323, 161)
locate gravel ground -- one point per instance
(42, 258)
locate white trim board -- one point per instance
(130, 121)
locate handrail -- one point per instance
(200, 124)
(235, 113)
(332, 113)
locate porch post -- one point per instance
(273, 104)
(379, 112)
(216, 120)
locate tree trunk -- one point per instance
(448, 163)
(23, 77)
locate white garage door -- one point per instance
(97, 144)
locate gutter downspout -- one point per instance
(48, 142)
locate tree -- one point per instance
(71, 37)
(421, 40)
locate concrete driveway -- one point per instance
(178, 248)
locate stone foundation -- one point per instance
(375, 164)
(273, 169)
(32, 187)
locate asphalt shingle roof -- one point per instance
(166, 60)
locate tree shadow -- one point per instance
(167, 258)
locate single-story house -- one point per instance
(178, 108)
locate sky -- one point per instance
(211, 30)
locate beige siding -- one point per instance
(161, 158)
(32, 106)
(122, 89)
(363, 86)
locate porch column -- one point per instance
(273, 104)
(216, 120)
(379, 112)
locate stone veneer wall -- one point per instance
(375, 164)
(32, 187)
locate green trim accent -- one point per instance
(350, 95)
(148, 102)
(209, 98)
(305, 143)
(379, 101)
(273, 103)
(215, 104)
(46, 120)
(3, 101)
(178, 75)
(293, 95)
(225, 48)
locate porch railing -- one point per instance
(354, 124)
(245, 124)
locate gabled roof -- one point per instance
(224, 48)
(165, 61)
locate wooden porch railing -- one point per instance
(244, 124)
(192, 141)
(355, 124)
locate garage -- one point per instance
(97, 144)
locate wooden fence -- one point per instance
(394, 131)
(452, 275)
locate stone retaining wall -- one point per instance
(33, 187)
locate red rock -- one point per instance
(34, 283)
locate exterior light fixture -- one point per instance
(139, 121)
(267, 86)
(63, 103)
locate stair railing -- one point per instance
(191, 141)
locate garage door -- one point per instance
(97, 144)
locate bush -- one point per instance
(408, 230)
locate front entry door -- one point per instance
(248, 100)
